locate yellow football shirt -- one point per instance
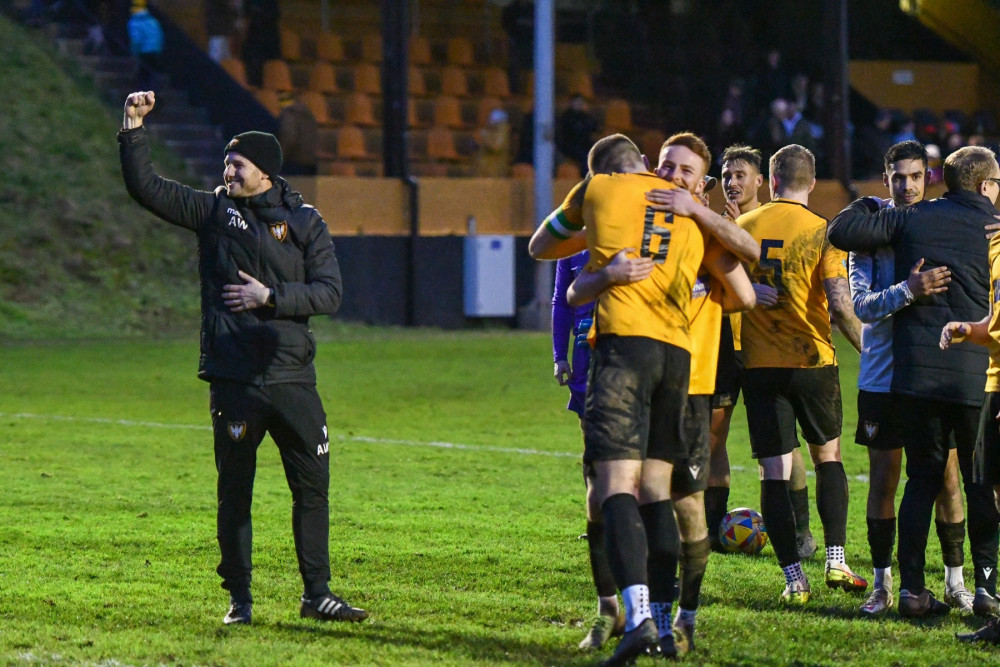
(617, 216)
(993, 372)
(795, 259)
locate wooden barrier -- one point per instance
(380, 206)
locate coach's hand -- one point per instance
(563, 372)
(767, 296)
(623, 269)
(251, 294)
(954, 333)
(675, 200)
(137, 105)
(931, 281)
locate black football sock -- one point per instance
(952, 538)
(663, 538)
(984, 535)
(694, 560)
(914, 521)
(625, 540)
(776, 508)
(831, 500)
(800, 506)
(604, 581)
(716, 506)
(881, 538)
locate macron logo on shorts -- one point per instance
(694, 471)
(870, 429)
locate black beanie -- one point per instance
(260, 148)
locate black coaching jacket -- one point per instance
(944, 232)
(275, 238)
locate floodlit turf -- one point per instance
(456, 507)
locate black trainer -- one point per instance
(640, 641)
(920, 605)
(330, 608)
(984, 604)
(989, 633)
(239, 613)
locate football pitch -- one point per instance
(456, 507)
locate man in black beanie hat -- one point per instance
(266, 262)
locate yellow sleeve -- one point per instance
(833, 262)
(567, 220)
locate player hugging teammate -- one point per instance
(661, 271)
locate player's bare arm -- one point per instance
(737, 291)
(546, 245)
(137, 105)
(978, 333)
(621, 270)
(838, 295)
(680, 202)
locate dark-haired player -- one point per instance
(877, 295)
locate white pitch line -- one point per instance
(350, 438)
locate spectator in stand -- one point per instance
(772, 83)
(518, 20)
(493, 156)
(262, 40)
(220, 25)
(145, 39)
(787, 126)
(298, 134)
(575, 132)
(735, 103)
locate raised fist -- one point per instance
(138, 105)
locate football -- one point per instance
(742, 529)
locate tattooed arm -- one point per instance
(838, 294)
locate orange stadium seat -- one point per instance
(522, 170)
(454, 82)
(495, 83)
(371, 48)
(330, 47)
(420, 50)
(346, 169)
(568, 170)
(269, 100)
(351, 144)
(323, 78)
(277, 76)
(617, 116)
(571, 57)
(367, 79)
(447, 112)
(581, 84)
(359, 111)
(441, 144)
(235, 69)
(460, 52)
(412, 114)
(316, 103)
(417, 83)
(291, 45)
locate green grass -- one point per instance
(78, 257)
(464, 555)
